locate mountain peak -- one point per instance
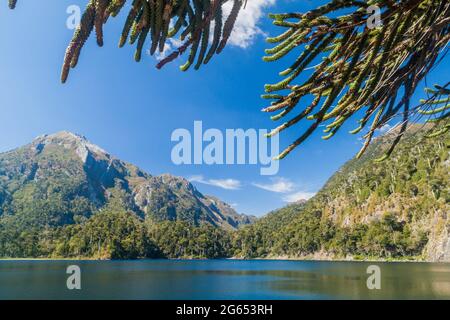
(49, 166)
(70, 140)
(63, 135)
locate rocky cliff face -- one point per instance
(63, 178)
(398, 208)
(413, 186)
(167, 197)
(438, 246)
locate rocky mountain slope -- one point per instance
(398, 208)
(63, 179)
(61, 196)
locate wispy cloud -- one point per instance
(169, 46)
(279, 185)
(297, 196)
(246, 28)
(244, 32)
(228, 184)
(385, 128)
(284, 185)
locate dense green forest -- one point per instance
(62, 196)
(394, 209)
(397, 208)
(112, 234)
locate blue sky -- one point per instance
(130, 109)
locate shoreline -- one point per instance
(315, 259)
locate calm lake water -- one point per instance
(222, 279)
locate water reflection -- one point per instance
(222, 279)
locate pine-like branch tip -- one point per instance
(381, 159)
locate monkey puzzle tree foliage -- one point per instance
(365, 69)
(158, 20)
(358, 69)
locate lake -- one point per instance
(222, 279)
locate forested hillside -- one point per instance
(63, 196)
(54, 205)
(398, 208)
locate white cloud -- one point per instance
(385, 128)
(246, 27)
(169, 46)
(196, 178)
(280, 185)
(228, 184)
(300, 195)
(244, 32)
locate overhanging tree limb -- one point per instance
(358, 70)
(363, 69)
(159, 20)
